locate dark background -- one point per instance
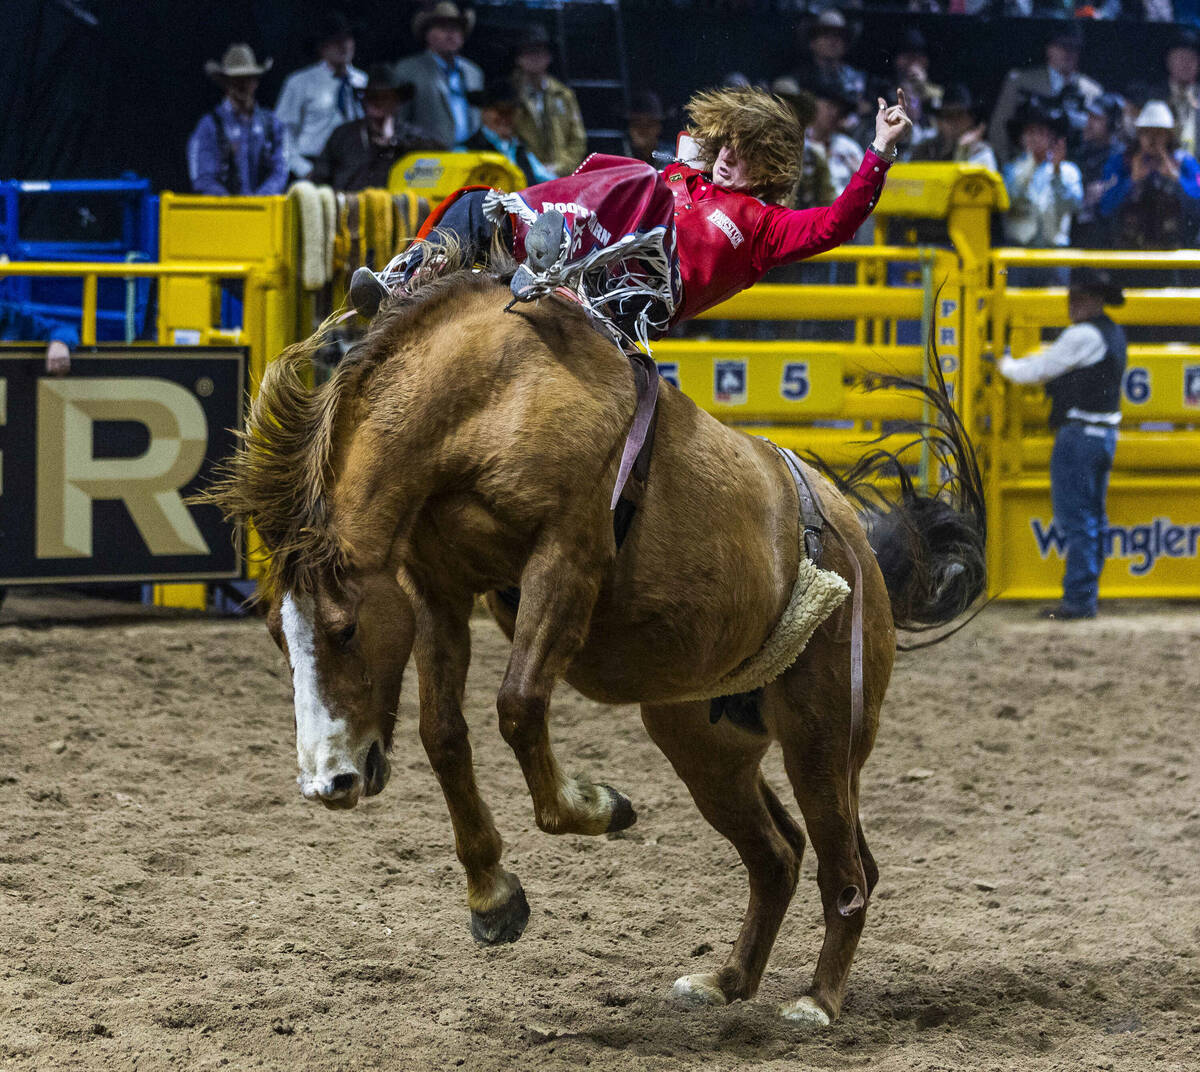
(91, 101)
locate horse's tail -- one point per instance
(930, 548)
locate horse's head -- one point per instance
(347, 646)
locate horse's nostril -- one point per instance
(343, 783)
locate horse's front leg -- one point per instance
(442, 649)
(558, 592)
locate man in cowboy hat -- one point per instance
(644, 129)
(1044, 188)
(959, 133)
(1058, 81)
(497, 133)
(547, 119)
(359, 154)
(440, 77)
(238, 147)
(316, 99)
(1082, 372)
(1182, 89)
(828, 38)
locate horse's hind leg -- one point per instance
(720, 766)
(558, 591)
(442, 648)
(814, 737)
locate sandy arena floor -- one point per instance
(167, 900)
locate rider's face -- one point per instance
(730, 172)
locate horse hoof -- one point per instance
(622, 816)
(805, 1011)
(505, 923)
(698, 990)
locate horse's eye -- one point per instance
(346, 635)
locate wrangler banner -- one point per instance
(96, 466)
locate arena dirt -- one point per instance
(167, 900)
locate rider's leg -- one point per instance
(462, 224)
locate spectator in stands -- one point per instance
(1101, 139)
(959, 134)
(548, 120)
(1082, 371)
(239, 147)
(828, 41)
(440, 76)
(1058, 82)
(360, 154)
(1044, 188)
(1182, 92)
(644, 130)
(910, 70)
(815, 187)
(317, 99)
(497, 131)
(17, 324)
(843, 155)
(1152, 190)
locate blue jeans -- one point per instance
(1079, 468)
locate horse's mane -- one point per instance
(278, 477)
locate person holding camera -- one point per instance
(1152, 191)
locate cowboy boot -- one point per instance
(546, 246)
(366, 292)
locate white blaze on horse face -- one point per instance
(323, 745)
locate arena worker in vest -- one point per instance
(701, 233)
(239, 147)
(1082, 371)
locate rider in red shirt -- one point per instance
(668, 244)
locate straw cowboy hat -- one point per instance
(238, 62)
(443, 11)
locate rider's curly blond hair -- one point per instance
(762, 131)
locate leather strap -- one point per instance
(645, 374)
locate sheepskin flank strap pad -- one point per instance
(816, 594)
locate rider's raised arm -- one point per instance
(786, 235)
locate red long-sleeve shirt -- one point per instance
(728, 240)
(725, 240)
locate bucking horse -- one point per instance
(746, 597)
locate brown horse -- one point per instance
(462, 450)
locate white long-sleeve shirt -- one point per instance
(311, 105)
(1077, 347)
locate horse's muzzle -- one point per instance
(342, 791)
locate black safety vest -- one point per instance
(1093, 388)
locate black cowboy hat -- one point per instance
(830, 21)
(1097, 281)
(381, 78)
(332, 26)
(912, 40)
(1109, 105)
(533, 38)
(830, 89)
(1036, 111)
(1069, 36)
(956, 97)
(496, 93)
(645, 103)
(1183, 38)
